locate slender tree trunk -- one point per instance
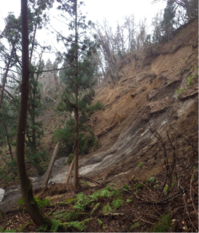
(76, 181)
(5, 77)
(8, 141)
(33, 44)
(46, 178)
(25, 183)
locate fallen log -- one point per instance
(105, 130)
(46, 178)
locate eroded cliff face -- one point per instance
(156, 93)
(159, 91)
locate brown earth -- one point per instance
(147, 93)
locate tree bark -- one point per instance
(76, 181)
(50, 166)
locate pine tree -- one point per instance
(78, 78)
(168, 21)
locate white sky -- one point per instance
(112, 10)
(98, 10)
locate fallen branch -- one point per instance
(187, 212)
(46, 178)
(106, 130)
(91, 180)
(69, 172)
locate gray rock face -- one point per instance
(2, 192)
(59, 163)
(10, 201)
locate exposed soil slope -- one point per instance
(154, 89)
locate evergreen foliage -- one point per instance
(79, 80)
(168, 23)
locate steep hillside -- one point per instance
(158, 90)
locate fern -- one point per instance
(39, 202)
(163, 225)
(67, 216)
(6, 231)
(80, 226)
(70, 200)
(54, 226)
(117, 203)
(82, 201)
(106, 209)
(95, 207)
(95, 195)
(135, 225)
(42, 203)
(101, 223)
(41, 228)
(59, 216)
(71, 215)
(105, 193)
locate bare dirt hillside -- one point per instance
(161, 90)
(157, 91)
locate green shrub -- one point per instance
(117, 203)
(163, 225)
(39, 202)
(180, 91)
(134, 226)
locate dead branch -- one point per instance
(105, 130)
(69, 172)
(46, 178)
(187, 212)
(91, 180)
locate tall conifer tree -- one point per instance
(78, 77)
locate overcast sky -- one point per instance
(112, 10)
(98, 10)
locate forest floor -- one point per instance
(139, 206)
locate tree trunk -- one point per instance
(8, 141)
(76, 181)
(5, 77)
(25, 183)
(50, 166)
